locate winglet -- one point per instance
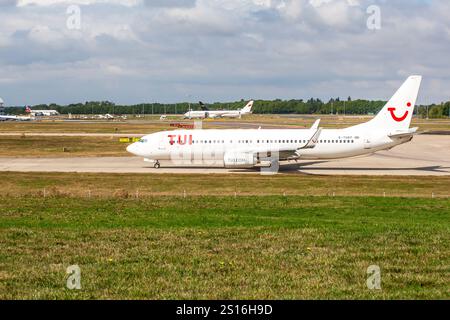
(313, 141)
(315, 126)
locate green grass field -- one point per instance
(257, 246)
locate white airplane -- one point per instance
(106, 116)
(46, 113)
(203, 114)
(246, 148)
(16, 118)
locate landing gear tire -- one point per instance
(157, 165)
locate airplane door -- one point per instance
(162, 146)
(367, 143)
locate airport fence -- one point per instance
(136, 194)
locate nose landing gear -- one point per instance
(157, 165)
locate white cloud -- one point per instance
(147, 50)
(338, 13)
(44, 35)
(130, 3)
(318, 3)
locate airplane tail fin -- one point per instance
(248, 107)
(397, 113)
(202, 106)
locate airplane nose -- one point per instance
(132, 148)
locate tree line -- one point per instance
(278, 106)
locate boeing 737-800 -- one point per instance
(245, 148)
(203, 114)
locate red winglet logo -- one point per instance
(394, 116)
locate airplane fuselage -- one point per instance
(246, 148)
(212, 114)
(213, 145)
(204, 114)
(15, 118)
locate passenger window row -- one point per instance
(270, 141)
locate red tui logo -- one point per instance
(395, 117)
(182, 139)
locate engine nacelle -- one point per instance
(239, 160)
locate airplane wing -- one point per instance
(288, 152)
(295, 153)
(217, 113)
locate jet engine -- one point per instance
(239, 160)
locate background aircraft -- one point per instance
(249, 147)
(16, 118)
(45, 113)
(12, 118)
(106, 116)
(205, 113)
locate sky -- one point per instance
(133, 51)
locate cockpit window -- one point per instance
(142, 140)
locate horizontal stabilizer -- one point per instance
(403, 133)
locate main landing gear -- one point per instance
(157, 165)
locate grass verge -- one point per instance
(260, 247)
(18, 184)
